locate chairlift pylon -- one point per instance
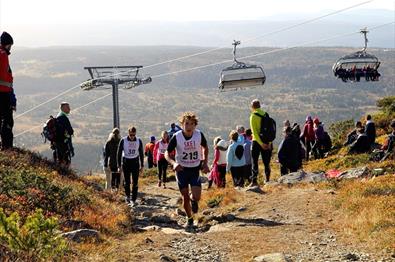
(241, 75)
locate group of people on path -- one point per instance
(186, 151)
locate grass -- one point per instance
(29, 182)
(369, 210)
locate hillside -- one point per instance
(332, 220)
(299, 82)
(42, 199)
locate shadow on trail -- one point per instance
(258, 222)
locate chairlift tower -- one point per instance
(102, 76)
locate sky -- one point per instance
(79, 11)
(40, 22)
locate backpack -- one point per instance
(239, 151)
(49, 130)
(268, 128)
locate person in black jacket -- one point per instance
(289, 153)
(362, 144)
(353, 135)
(370, 130)
(63, 146)
(113, 177)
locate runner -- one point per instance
(159, 158)
(191, 156)
(130, 160)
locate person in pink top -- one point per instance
(218, 168)
(159, 158)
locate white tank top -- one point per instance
(189, 152)
(162, 147)
(131, 148)
(222, 157)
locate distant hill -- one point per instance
(299, 82)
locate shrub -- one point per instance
(339, 131)
(33, 240)
(387, 104)
(35, 191)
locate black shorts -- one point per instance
(188, 176)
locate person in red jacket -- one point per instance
(7, 95)
(308, 135)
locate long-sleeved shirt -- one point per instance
(247, 151)
(289, 152)
(255, 124)
(308, 132)
(110, 153)
(319, 133)
(64, 125)
(120, 150)
(232, 159)
(370, 131)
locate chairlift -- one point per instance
(358, 65)
(90, 84)
(241, 75)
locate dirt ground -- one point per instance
(298, 222)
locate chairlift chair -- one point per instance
(357, 65)
(241, 75)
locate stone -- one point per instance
(220, 228)
(315, 177)
(148, 240)
(355, 173)
(351, 257)
(207, 212)
(162, 219)
(292, 178)
(175, 202)
(301, 176)
(254, 189)
(274, 257)
(241, 209)
(82, 234)
(180, 212)
(151, 228)
(230, 217)
(146, 214)
(165, 258)
(378, 171)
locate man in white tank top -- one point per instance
(130, 160)
(191, 157)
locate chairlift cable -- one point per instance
(204, 66)
(197, 54)
(74, 111)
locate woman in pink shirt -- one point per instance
(218, 167)
(159, 157)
